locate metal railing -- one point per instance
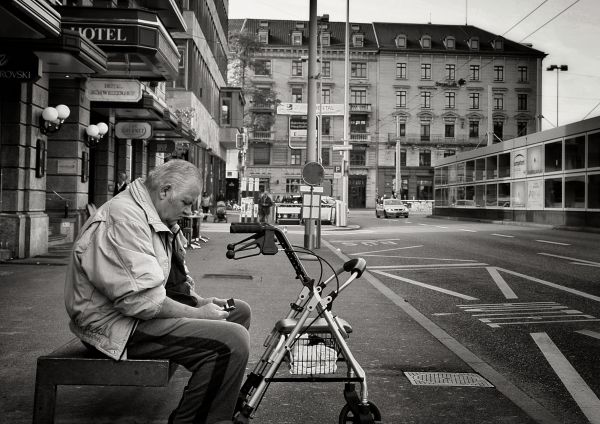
(434, 140)
(360, 107)
(261, 135)
(360, 137)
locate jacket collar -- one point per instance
(140, 194)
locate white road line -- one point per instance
(541, 322)
(589, 333)
(584, 264)
(571, 259)
(519, 308)
(508, 304)
(502, 235)
(427, 286)
(577, 387)
(387, 250)
(556, 286)
(532, 317)
(470, 231)
(424, 266)
(502, 285)
(553, 242)
(567, 311)
(440, 226)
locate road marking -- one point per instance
(497, 325)
(509, 304)
(398, 267)
(386, 250)
(502, 235)
(589, 333)
(440, 226)
(586, 399)
(533, 408)
(535, 317)
(470, 231)
(556, 286)
(581, 261)
(551, 311)
(427, 286)
(553, 242)
(502, 285)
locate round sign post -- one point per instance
(312, 174)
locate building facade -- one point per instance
(141, 84)
(417, 92)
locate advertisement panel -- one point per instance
(302, 109)
(534, 160)
(535, 194)
(519, 163)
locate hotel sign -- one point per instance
(103, 34)
(133, 130)
(302, 109)
(19, 67)
(113, 90)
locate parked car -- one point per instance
(391, 208)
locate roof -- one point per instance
(382, 35)
(387, 33)
(280, 31)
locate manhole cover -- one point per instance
(447, 379)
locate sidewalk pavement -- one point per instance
(386, 341)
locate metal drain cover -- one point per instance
(447, 379)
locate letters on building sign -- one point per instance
(108, 34)
(19, 67)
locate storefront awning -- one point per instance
(136, 42)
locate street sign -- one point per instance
(313, 173)
(307, 189)
(341, 147)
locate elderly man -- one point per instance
(128, 293)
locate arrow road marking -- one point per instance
(427, 286)
(586, 399)
(502, 285)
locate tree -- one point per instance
(243, 63)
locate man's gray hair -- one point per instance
(177, 173)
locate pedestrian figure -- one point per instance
(205, 204)
(264, 206)
(121, 183)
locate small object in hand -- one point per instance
(230, 306)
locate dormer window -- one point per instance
(355, 27)
(263, 24)
(296, 38)
(498, 44)
(325, 38)
(401, 41)
(299, 25)
(425, 41)
(474, 43)
(263, 36)
(358, 40)
(450, 42)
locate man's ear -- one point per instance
(164, 190)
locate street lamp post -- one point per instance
(557, 68)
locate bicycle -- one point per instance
(313, 346)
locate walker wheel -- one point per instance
(347, 416)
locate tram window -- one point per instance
(504, 165)
(553, 193)
(470, 171)
(479, 169)
(594, 150)
(553, 156)
(594, 191)
(575, 192)
(575, 152)
(491, 195)
(504, 195)
(491, 164)
(480, 195)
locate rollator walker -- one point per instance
(310, 339)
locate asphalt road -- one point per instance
(524, 299)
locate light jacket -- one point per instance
(118, 270)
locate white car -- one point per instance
(391, 208)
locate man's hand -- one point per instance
(202, 301)
(212, 311)
(209, 310)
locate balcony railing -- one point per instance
(360, 107)
(262, 106)
(434, 140)
(360, 137)
(261, 135)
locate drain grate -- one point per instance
(467, 379)
(229, 276)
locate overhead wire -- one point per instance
(551, 19)
(526, 16)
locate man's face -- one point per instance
(173, 205)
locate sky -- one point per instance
(566, 30)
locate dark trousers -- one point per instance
(216, 352)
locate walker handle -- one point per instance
(245, 227)
(357, 265)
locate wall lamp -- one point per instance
(52, 118)
(94, 134)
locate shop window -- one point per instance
(491, 164)
(470, 171)
(480, 195)
(553, 193)
(479, 169)
(594, 150)
(504, 195)
(575, 152)
(425, 189)
(575, 192)
(553, 156)
(491, 195)
(594, 191)
(504, 165)
(262, 154)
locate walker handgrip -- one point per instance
(245, 227)
(357, 265)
